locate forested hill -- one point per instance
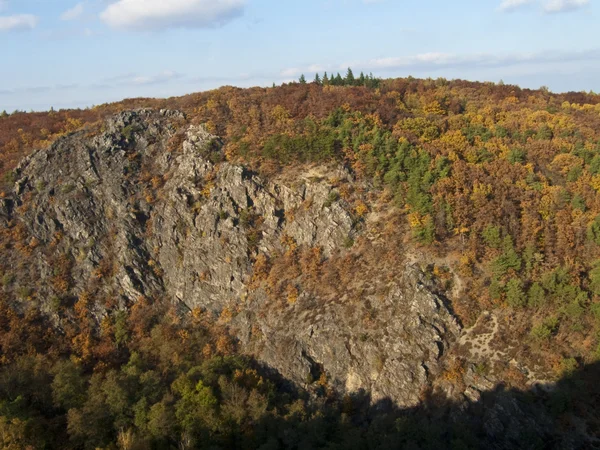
(211, 270)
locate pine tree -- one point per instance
(349, 80)
(515, 296)
(4, 114)
(302, 79)
(361, 79)
(325, 79)
(317, 79)
(339, 81)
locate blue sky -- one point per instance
(71, 53)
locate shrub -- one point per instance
(568, 366)
(333, 197)
(128, 132)
(24, 292)
(348, 242)
(545, 330)
(7, 279)
(67, 188)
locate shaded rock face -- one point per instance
(147, 207)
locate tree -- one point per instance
(302, 79)
(593, 232)
(338, 80)
(68, 386)
(536, 295)
(595, 278)
(325, 79)
(317, 79)
(509, 259)
(361, 79)
(514, 293)
(349, 80)
(491, 236)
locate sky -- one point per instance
(71, 53)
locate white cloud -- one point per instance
(133, 79)
(549, 6)
(163, 77)
(511, 5)
(163, 14)
(436, 60)
(74, 13)
(18, 22)
(293, 71)
(556, 6)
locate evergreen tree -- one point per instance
(514, 293)
(4, 114)
(370, 78)
(339, 81)
(371, 81)
(302, 79)
(317, 79)
(361, 79)
(325, 79)
(349, 80)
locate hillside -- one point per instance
(211, 271)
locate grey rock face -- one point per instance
(392, 358)
(148, 208)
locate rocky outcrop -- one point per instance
(393, 357)
(147, 206)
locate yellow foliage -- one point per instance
(292, 294)
(481, 192)
(565, 162)
(454, 373)
(595, 182)
(434, 108)
(226, 315)
(211, 104)
(207, 351)
(415, 220)
(454, 141)
(206, 190)
(546, 207)
(361, 208)
(73, 124)
(183, 335)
